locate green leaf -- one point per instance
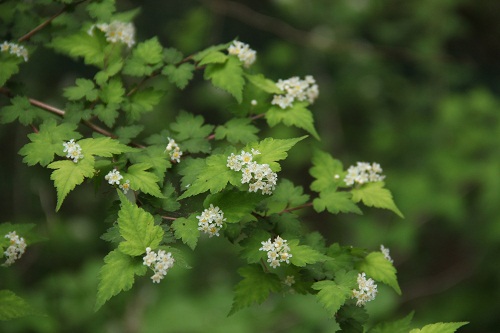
(440, 328)
(251, 245)
(101, 10)
(112, 92)
(263, 83)
(272, 150)
(380, 269)
(179, 75)
(21, 109)
(146, 57)
(340, 258)
(142, 180)
(107, 113)
(191, 134)
(186, 229)
(215, 57)
(303, 254)
(254, 288)
(127, 133)
(351, 318)
(111, 69)
(398, 326)
(237, 130)
(81, 44)
(172, 55)
(156, 157)
(84, 88)
(327, 171)
(104, 146)
(235, 204)
(284, 196)
(13, 306)
(335, 202)
(227, 76)
(142, 101)
(169, 203)
(117, 275)
(375, 195)
(137, 228)
(10, 66)
(200, 55)
(333, 294)
(67, 175)
(297, 115)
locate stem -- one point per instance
(169, 218)
(308, 204)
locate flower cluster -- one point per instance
(289, 280)
(161, 262)
(73, 150)
(173, 150)
(243, 51)
(114, 177)
(296, 89)
(367, 290)
(211, 220)
(363, 172)
(116, 31)
(15, 49)
(258, 176)
(277, 251)
(385, 251)
(15, 249)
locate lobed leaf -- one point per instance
(84, 89)
(327, 171)
(227, 76)
(440, 328)
(272, 150)
(304, 254)
(297, 115)
(335, 202)
(13, 306)
(142, 180)
(263, 83)
(380, 269)
(186, 229)
(237, 130)
(20, 109)
(179, 75)
(375, 195)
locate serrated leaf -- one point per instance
(380, 269)
(254, 288)
(112, 235)
(142, 180)
(440, 328)
(200, 55)
(263, 83)
(138, 229)
(117, 275)
(351, 318)
(284, 196)
(303, 254)
(375, 195)
(107, 113)
(272, 150)
(156, 157)
(13, 306)
(111, 69)
(10, 66)
(101, 10)
(146, 57)
(104, 146)
(235, 204)
(21, 109)
(215, 57)
(327, 171)
(179, 75)
(169, 203)
(127, 133)
(227, 76)
(172, 55)
(340, 259)
(297, 115)
(142, 101)
(335, 202)
(84, 89)
(112, 92)
(333, 294)
(398, 326)
(237, 130)
(186, 229)
(191, 133)
(81, 44)
(251, 245)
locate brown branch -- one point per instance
(169, 218)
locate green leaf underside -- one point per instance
(297, 115)
(335, 202)
(117, 275)
(333, 294)
(272, 150)
(142, 180)
(325, 169)
(13, 306)
(304, 254)
(254, 288)
(137, 228)
(375, 195)
(237, 130)
(227, 76)
(440, 328)
(380, 269)
(186, 229)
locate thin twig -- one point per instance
(169, 218)
(308, 204)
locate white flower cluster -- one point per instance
(15, 249)
(296, 89)
(367, 290)
(363, 172)
(289, 280)
(243, 51)
(73, 150)
(386, 252)
(116, 31)
(263, 177)
(15, 49)
(114, 177)
(161, 262)
(174, 150)
(211, 220)
(277, 251)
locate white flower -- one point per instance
(125, 186)
(367, 290)
(386, 253)
(14, 49)
(174, 150)
(160, 262)
(211, 220)
(113, 177)
(116, 31)
(16, 248)
(289, 280)
(296, 89)
(277, 251)
(244, 53)
(363, 173)
(73, 150)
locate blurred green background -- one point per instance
(409, 84)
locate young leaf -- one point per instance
(303, 254)
(84, 89)
(398, 326)
(179, 75)
(21, 109)
(263, 83)
(81, 44)
(186, 229)
(237, 130)
(13, 306)
(335, 202)
(191, 132)
(142, 180)
(137, 228)
(332, 295)
(254, 288)
(272, 150)
(375, 195)
(380, 269)
(227, 76)
(298, 115)
(440, 328)
(104, 146)
(67, 175)
(327, 171)
(215, 57)
(117, 275)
